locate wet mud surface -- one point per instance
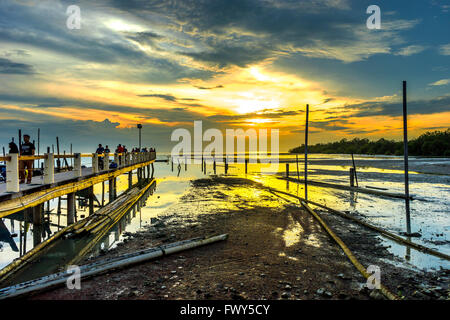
(275, 250)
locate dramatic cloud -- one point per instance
(229, 63)
(9, 67)
(367, 109)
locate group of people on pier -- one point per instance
(120, 149)
(27, 148)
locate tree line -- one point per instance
(432, 143)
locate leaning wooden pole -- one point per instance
(354, 168)
(306, 152)
(405, 142)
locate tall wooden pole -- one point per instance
(38, 146)
(306, 152)
(58, 162)
(20, 140)
(405, 142)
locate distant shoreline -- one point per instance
(429, 144)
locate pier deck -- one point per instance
(30, 195)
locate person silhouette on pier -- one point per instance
(13, 147)
(27, 149)
(100, 150)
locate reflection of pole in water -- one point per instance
(408, 251)
(353, 196)
(26, 225)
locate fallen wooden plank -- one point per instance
(344, 187)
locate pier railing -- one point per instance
(120, 159)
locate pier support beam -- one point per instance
(111, 190)
(115, 188)
(38, 214)
(91, 200)
(37, 234)
(287, 170)
(38, 220)
(12, 173)
(70, 208)
(130, 179)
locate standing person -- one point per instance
(100, 150)
(119, 150)
(107, 149)
(27, 149)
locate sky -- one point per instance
(248, 64)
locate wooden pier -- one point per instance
(15, 197)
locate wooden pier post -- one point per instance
(246, 166)
(106, 161)
(185, 163)
(49, 168)
(287, 170)
(103, 193)
(37, 234)
(38, 214)
(77, 165)
(214, 166)
(130, 179)
(405, 143)
(70, 208)
(115, 188)
(111, 189)
(95, 163)
(171, 161)
(12, 173)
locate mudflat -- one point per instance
(275, 250)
